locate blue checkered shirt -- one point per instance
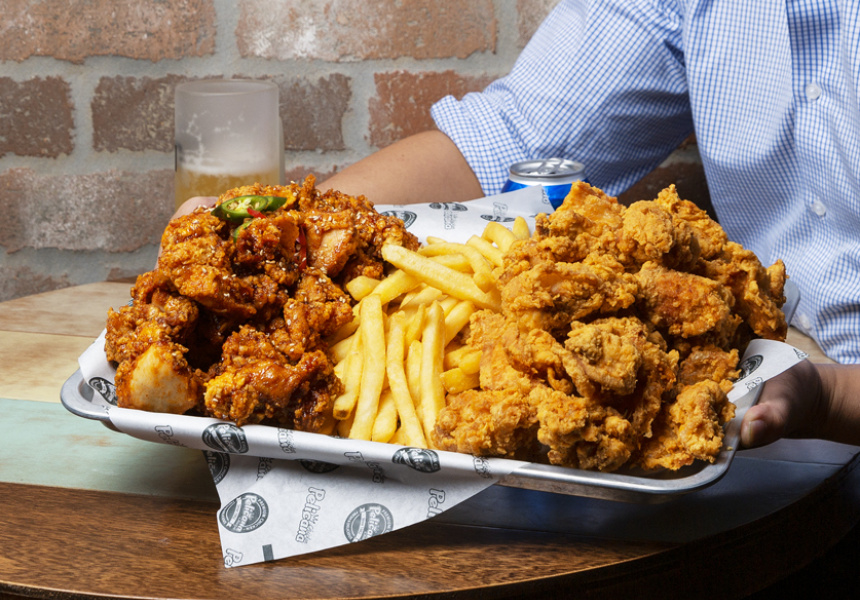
(770, 88)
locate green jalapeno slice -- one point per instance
(243, 207)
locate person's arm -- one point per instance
(809, 400)
(425, 167)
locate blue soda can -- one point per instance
(554, 174)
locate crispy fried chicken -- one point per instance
(618, 338)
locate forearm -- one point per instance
(426, 167)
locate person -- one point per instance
(771, 94)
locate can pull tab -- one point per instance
(550, 166)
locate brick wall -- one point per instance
(86, 106)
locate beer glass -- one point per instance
(228, 133)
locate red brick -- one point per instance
(133, 113)
(111, 211)
(73, 30)
(530, 14)
(402, 103)
(351, 30)
(36, 117)
(16, 282)
(313, 112)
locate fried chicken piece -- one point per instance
(686, 305)
(650, 233)
(551, 295)
(159, 380)
(689, 428)
(709, 362)
(758, 292)
(710, 236)
(580, 433)
(488, 423)
(257, 380)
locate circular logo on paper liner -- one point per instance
(420, 459)
(749, 365)
(244, 513)
(225, 437)
(448, 206)
(218, 463)
(407, 216)
(498, 218)
(105, 388)
(318, 466)
(367, 521)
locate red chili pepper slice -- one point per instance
(255, 213)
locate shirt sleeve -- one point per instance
(601, 82)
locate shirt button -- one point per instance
(804, 322)
(818, 208)
(813, 91)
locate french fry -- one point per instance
(340, 350)
(345, 425)
(399, 438)
(490, 252)
(396, 284)
(456, 381)
(448, 303)
(351, 378)
(470, 362)
(520, 229)
(415, 325)
(425, 296)
(398, 384)
(432, 392)
(477, 262)
(414, 353)
(345, 330)
(373, 369)
(385, 423)
(439, 276)
(457, 318)
(361, 286)
(500, 235)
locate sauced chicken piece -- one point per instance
(159, 380)
(256, 381)
(155, 314)
(331, 240)
(197, 259)
(270, 245)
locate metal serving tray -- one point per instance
(623, 485)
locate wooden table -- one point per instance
(88, 512)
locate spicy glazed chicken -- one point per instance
(231, 322)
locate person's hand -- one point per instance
(188, 207)
(792, 404)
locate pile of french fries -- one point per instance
(402, 353)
